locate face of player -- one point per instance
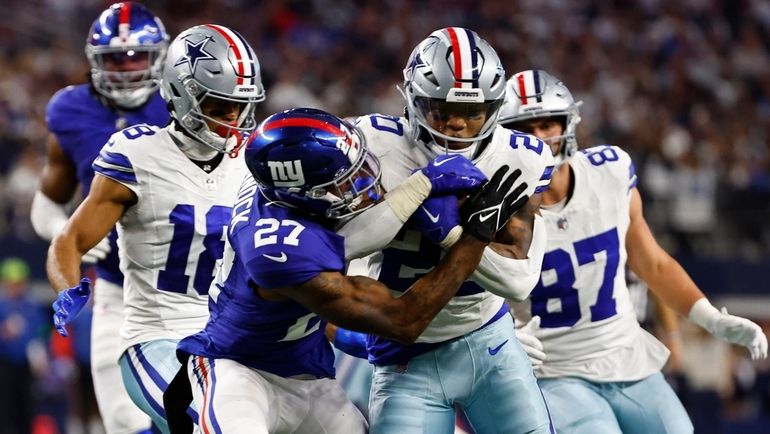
(226, 112)
(462, 120)
(128, 61)
(549, 130)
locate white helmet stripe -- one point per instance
(464, 57)
(243, 56)
(528, 86)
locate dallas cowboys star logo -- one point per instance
(417, 62)
(195, 52)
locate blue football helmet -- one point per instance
(126, 47)
(314, 162)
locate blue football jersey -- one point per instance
(82, 125)
(269, 247)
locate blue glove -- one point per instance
(452, 174)
(69, 303)
(436, 217)
(350, 342)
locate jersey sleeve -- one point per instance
(380, 132)
(57, 109)
(287, 253)
(117, 162)
(616, 162)
(535, 161)
(386, 138)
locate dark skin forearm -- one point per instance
(514, 240)
(363, 304)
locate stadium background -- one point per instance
(683, 86)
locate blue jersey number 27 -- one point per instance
(562, 289)
(173, 278)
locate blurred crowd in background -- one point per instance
(683, 86)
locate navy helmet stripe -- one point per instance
(536, 80)
(248, 54)
(474, 58)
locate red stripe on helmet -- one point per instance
(125, 13)
(238, 55)
(457, 55)
(306, 123)
(522, 89)
(124, 20)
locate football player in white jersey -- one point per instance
(584, 340)
(171, 191)
(454, 85)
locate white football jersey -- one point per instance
(171, 238)
(410, 255)
(588, 324)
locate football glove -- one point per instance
(436, 218)
(731, 328)
(451, 174)
(69, 303)
(531, 344)
(490, 208)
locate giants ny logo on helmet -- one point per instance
(286, 173)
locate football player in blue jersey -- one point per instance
(584, 340)
(262, 364)
(170, 191)
(126, 47)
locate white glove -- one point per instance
(531, 344)
(98, 252)
(731, 328)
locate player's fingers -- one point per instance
(59, 323)
(508, 183)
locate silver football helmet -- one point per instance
(453, 70)
(534, 94)
(212, 61)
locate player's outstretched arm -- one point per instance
(671, 283)
(90, 223)
(363, 304)
(88, 226)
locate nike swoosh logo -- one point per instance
(433, 218)
(439, 163)
(484, 218)
(281, 258)
(495, 350)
